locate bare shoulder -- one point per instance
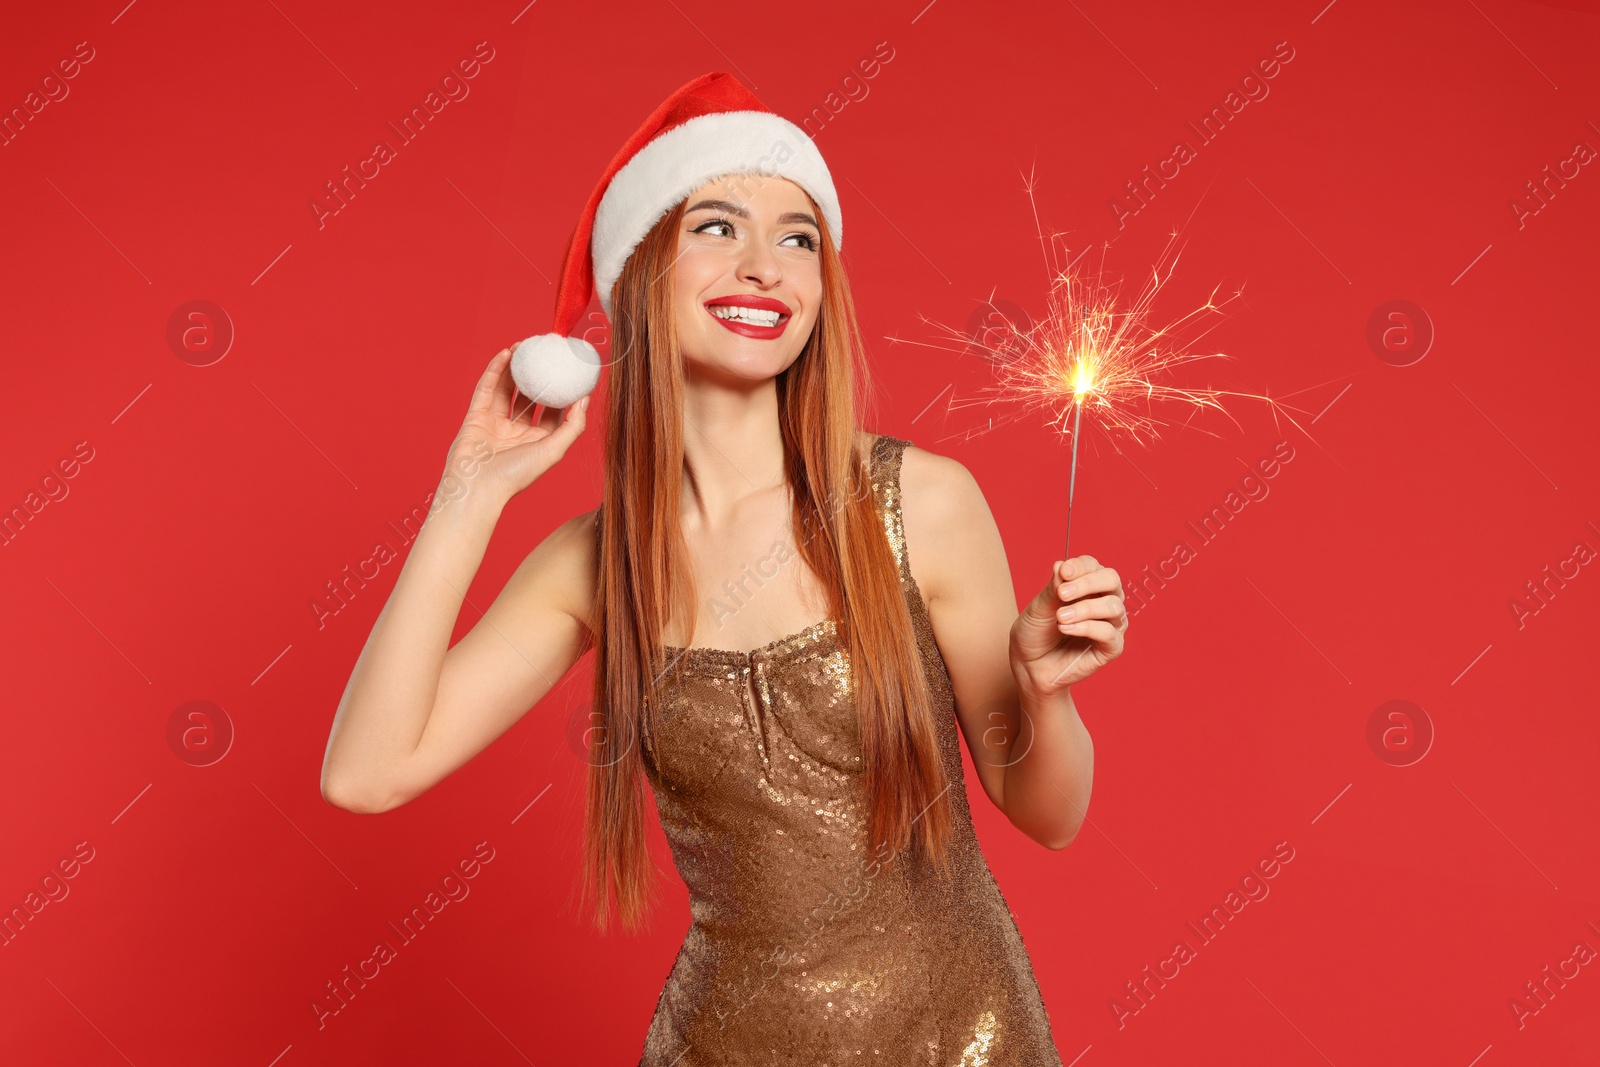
(561, 571)
(944, 513)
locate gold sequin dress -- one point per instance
(805, 949)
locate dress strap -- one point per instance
(886, 455)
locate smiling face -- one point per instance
(748, 277)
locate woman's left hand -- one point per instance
(1049, 653)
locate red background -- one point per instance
(183, 562)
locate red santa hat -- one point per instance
(710, 128)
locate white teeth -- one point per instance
(754, 316)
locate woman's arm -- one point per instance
(415, 709)
(1032, 752)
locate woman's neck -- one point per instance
(732, 448)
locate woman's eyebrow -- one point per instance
(735, 209)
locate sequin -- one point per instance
(805, 947)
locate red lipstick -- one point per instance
(761, 326)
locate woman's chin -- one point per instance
(738, 364)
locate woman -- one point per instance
(807, 773)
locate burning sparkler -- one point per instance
(1091, 351)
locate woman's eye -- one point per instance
(710, 226)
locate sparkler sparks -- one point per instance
(1091, 350)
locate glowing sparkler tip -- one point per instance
(1082, 381)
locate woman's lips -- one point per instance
(750, 329)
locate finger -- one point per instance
(505, 390)
(574, 417)
(1100, 607)
(1111, 610)
(1101, 580)
(489, 383)
(1043, 605)
(1097, 630)
(1055, 578)
(1061, 572)
(1078, 566)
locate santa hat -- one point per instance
(710, 128)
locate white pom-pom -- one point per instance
(555, 370)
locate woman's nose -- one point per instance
(760, 266)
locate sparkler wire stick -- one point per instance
(1072, 479)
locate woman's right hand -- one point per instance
(499, 453)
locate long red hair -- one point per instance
(644, 577)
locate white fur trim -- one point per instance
(554, 370)
(688, 156)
